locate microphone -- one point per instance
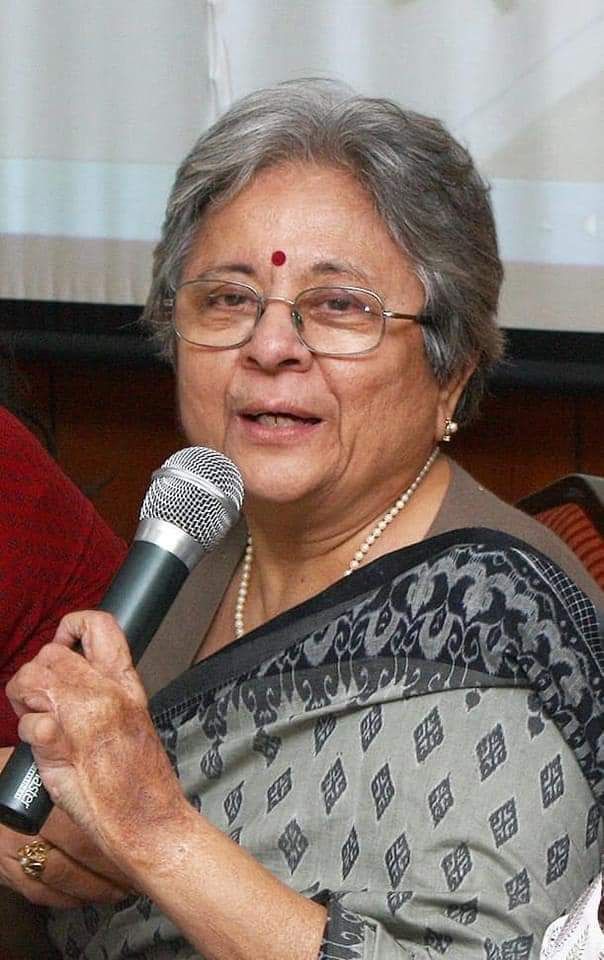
(193, 501)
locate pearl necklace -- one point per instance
(356, 561)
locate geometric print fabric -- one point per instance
(392, 814)
(433, 807)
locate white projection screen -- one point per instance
(100, 100)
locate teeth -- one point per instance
(275, 420)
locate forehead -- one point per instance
(310, 212)
(286, 181)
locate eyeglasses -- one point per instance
(329, 321)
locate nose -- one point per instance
(274, 344)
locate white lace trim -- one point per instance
(577, 935)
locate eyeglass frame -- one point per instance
(295, 317)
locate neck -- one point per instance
(292, 562)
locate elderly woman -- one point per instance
(383, 743)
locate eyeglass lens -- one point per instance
(335, 320)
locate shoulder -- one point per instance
(32, 483)
(492, 584)
(43, 513)
(16, 439)
(468, 503)
(26, 465)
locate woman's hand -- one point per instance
(75, 870)
(103, 764)
(87, 722)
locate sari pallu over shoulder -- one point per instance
(418, 747)
(469, 608)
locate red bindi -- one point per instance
(278, 258)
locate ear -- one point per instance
(449, 396)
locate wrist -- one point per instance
(153, 846)
(192, 871)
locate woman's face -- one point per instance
(322, 431)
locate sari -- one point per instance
(419, 747)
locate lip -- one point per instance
(275, 408)
(298, 430)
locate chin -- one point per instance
(279, 484)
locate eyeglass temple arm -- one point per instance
(418, 317)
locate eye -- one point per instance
(340, 304)
(329, 301)
(343, 303)
(228, 299)
(215, 299)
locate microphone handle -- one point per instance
(139, 597)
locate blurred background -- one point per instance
(100, 100)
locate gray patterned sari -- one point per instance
(419, 747)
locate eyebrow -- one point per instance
(216, 269)
(340, 268)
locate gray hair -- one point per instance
(424, 186)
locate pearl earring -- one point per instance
(451, 428)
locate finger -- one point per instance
(12, 874)
(5, 755)
(62, 883)
(38, 894)
(75, 881)
(105, 647)
(44, 735)
(72, 627)
(27, 689)
(93, 628)
(61, 832)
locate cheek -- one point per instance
(397, 376)
(200, 401)
(188, 394)
(397, 398)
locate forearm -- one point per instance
(222, 900)
(101, 747)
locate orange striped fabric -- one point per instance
(572, 525)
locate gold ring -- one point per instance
(33, 857)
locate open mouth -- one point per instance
(275, 420)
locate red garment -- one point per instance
(56, 554)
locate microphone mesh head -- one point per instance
(178, 500)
